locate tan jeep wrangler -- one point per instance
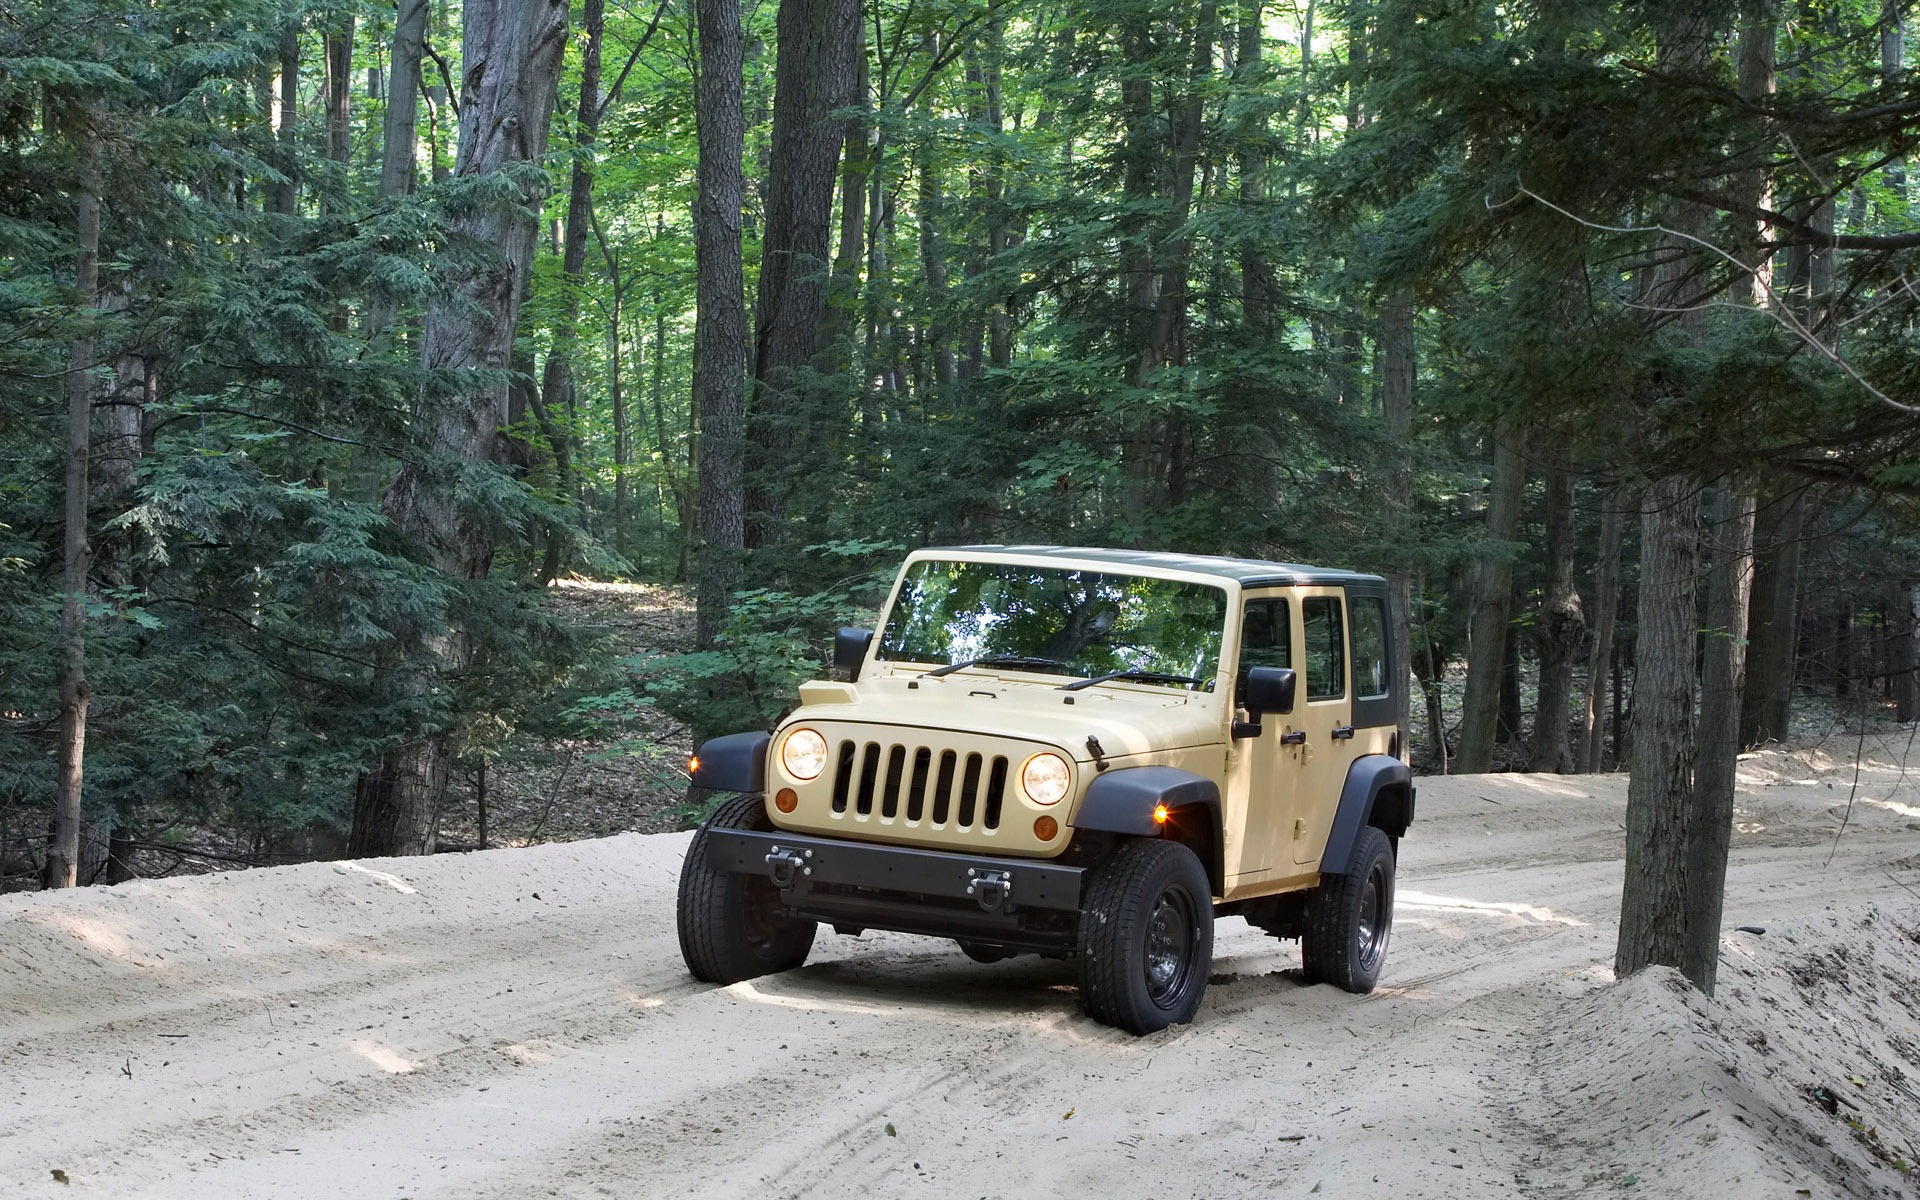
(1073, 752)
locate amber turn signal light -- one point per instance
(1045, 828)
(1160, 814)
(786, 800)
(693, 765)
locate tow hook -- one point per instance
(990, 889)
(783, 864)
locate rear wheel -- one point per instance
(1351, 918)
(731, 926)
(1146, 937)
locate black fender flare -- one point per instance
(1122, 801)
(1379, 791)
(734, 763)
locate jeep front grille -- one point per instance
(938, 788)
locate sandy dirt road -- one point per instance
(518, 1023)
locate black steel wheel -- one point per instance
(1146, 937)
(731, 926)
(1352, 918)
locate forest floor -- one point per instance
(517, 1022)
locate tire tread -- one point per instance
(1115, 906)
(710, 940)
(1327, 948)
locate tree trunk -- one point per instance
(1661, 824)
(1256, 277)
(557, 377)
(1903, 650)
(814, 75)
(1161, 266)
(1606, 608)
(933, 260)
(286, 193)
(1563, 626)
(843, 307)
(1492, 611)
(513, 52)
(719, 359)
(63, 844)
(1142, 149)
(1773, 622)
(1729, 583)
(1506, 730)
(339, 96)
(1396, 408)
(400, 134)
(1653, 909)
(1659, 792)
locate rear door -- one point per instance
(1323, 710)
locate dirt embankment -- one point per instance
(517, 1022)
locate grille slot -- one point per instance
(843, 776)
(943, 790)
(896, 762)
(917, 794)
(920, 784)
(868, 770)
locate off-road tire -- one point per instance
(730, 925)
(1351, 918)
(1146, 936)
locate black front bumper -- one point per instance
(1005, 901)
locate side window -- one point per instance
(1266, 640)
(1326, 648)
(1369, 647)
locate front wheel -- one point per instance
(1146, 937)
(1351, 918)
(731, 926)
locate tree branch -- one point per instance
(1776, 309)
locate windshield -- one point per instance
(1080, 623)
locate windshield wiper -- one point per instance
(997, 660)
(1143, 676)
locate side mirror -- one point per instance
(850, 650)
(1269, 690)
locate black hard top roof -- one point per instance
(1248, 572)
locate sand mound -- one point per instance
(1801, 1078)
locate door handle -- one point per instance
(1294, 737)
(1341, 732)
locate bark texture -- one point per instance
(1492, 610)
(1396, 407)
(1773, 622)
(63, 843)
(1562, 628)
(1606, 612)
(1662, 820)
(719, 355)
(814, 75)
(1729, 583)
(513, 51)
(556, 380)
(400, 133)
(1659, 810)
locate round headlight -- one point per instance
(804, 754)
(1045, 778)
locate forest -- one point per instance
(332, 331)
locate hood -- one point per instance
(1127, 719)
